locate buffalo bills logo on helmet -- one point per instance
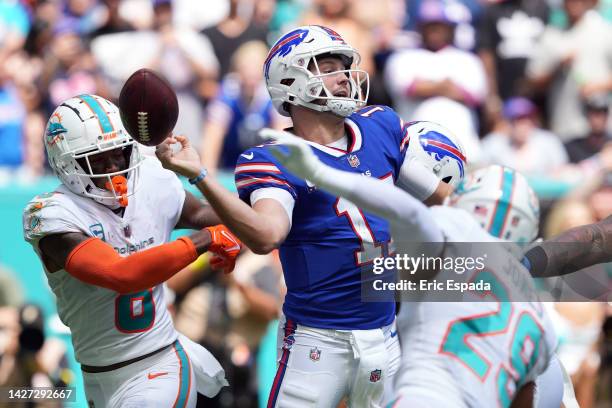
(284, 46)
(440, 146)
(332, 34)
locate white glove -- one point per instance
(298, 156)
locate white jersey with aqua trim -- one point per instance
(479, 353)
(106, 327)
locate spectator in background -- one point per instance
(199, 15)
(229, 314)
(382, 22)
(12, 116)
(27, 357)
(466, 13)
(14, 27)
(69, 68)
(186, 59)
(239, 111)
(11, 291)
(524, 146)
(600, 200)
(182, 55)
(88, 15)
(233, 31)
(573, 63)
(112, 21)
(597, 111)
(439, 82)
(24, 72)
(506, 40)
(336, 14)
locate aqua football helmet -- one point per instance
(502, 201)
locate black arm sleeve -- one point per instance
(572, 250)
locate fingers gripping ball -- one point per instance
(225, 247)
(148, 107)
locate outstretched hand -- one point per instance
(293, 153)
(186, 161)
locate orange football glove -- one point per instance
(225, 248)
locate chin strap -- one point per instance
(119, 185)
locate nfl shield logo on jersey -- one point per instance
(353, 160)
(375, 375)
(315, 354)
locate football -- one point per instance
(148, 107)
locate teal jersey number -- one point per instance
(135, 312)
(456, 342)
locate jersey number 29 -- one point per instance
(526, 338)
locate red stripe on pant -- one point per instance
(282, 364)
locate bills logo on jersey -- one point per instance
(375, 375)
(284, 47)
(441, 147)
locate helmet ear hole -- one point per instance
(287, 81)
(447, 179)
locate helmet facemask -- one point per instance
(293, 75)
(82, 127)
(118, 186)
(319, 97)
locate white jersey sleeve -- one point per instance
(282, 196)
(416, 179)
(48, 214)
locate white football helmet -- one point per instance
(502, 201)
(81, 127)
(438, 149)
(289, 80)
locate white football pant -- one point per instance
(317, 368)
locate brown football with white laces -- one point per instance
(148, 107)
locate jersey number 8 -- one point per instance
(135, 312)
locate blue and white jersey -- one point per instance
(331, 240)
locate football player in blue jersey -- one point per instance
(331, 344)
(436, 351)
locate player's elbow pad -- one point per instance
(95, 262)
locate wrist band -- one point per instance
(199, 177)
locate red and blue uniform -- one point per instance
(331, 241)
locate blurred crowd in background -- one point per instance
(525, 84)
